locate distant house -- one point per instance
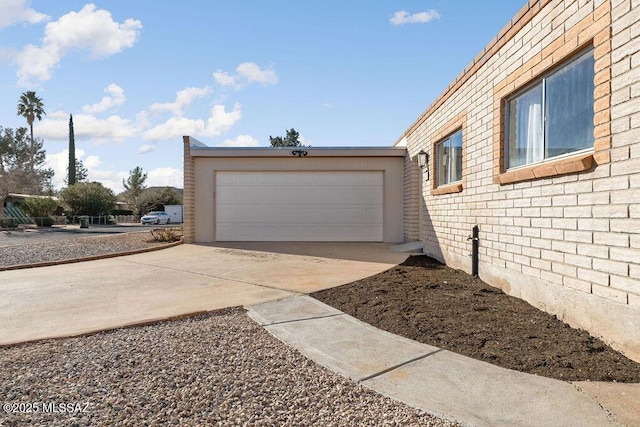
(15, 199)
(536, 143)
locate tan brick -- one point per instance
(610, 211)
(602, 89)
(626, 284)
(602, 158)
(553, 47)
(631, 255)
(577, 284)
(602, 104)
(611, 239)
(602, 76)
(584, 24)
(593, 276)
(603, 36)
(634, 301)
(611, 267)
(610, 293)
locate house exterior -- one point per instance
(536, 142)
(292, 194)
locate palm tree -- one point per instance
(31, 107)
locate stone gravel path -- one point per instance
(217, 369)
(57, 246)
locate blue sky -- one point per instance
(137, 75)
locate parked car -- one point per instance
(156, 217)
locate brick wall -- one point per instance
(411, 208)
(623, 183)
(563, 235)
(188, 197)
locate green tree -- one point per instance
(22, 164)
(81, 172)
(291, 140)
(133, 187)
(38, 207)
(156, 199)
(88, 198)
(71, 168)
(30, 107)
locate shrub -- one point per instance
(39, 206)
(46, 221)
(170, 234)
(88, 198)
(8, 223)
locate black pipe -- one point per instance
(475, 244)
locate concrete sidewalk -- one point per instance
(440, 382)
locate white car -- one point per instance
(156, 217)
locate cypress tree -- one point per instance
(72, 154)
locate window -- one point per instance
(449, 160)
(554, 117)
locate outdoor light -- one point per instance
(299, 153)
(423, 161)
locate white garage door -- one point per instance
(299, 206)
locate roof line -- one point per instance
(522, 18)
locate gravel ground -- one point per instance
(217, 369)
(62, 246)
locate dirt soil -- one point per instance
(428, 302)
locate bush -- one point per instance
(168, 235)
(39, 206)
(88, 198)
(46, 221)
(8, 223)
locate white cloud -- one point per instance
(402, 17)
(114, 98)
(90, 30)
(110, 178)
(91, 163)
(223, 78)
(218, 122)
(247, 72)
(86, 126)
(163, 177)
(35, 63)
(144, 149)
(184, 98)
(15, 11)
(59, 162)
(240, 141)
(252, 73)
(306, 141)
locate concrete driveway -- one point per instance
(73, 299)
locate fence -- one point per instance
(48, 221)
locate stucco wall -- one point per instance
(204, 177)
(565, 237)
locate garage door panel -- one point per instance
(293, 232)
(299, 206)
(300, 215)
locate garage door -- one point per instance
(299, 206)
